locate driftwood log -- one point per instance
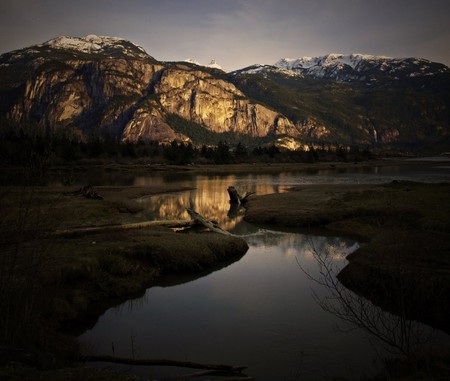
(165, 362)
(76, 232)
(198, 218)
(236, 198)
(230, 376)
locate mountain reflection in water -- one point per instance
(209, 197)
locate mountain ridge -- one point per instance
(108, 85)
(354, 67)
(111, 86)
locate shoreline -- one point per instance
(255, 167)
(405, 227)
(341, 209)
(68, 282)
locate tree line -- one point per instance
(31, 147)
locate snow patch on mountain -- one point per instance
(329, 60)
(213, 64)
(192, 61)
(360, 67)
(95, 44)
(265, 70)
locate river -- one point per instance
(261, 311)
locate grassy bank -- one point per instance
(406, 230)
(402, 265)
(50, 284)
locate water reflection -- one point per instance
(396, 333)
(209, 198)
(257, 312)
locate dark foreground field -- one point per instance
(50, 283)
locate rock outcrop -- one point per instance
(213, 103)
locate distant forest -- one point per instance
(29, 147)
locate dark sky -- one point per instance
(238, 33)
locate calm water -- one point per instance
(258, 311)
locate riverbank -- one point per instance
(403, 263)
(52, 284)
(405, 228)
(119, 205)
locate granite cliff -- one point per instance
(110, 86)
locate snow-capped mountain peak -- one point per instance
(360, 67)
(212, 64)
(265, 70)
(331, 59)
(96, 44)
(192, 61)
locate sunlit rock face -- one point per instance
(107, 86)
(148, 123)
(110, 86)
(313, 129)
(217, 104)
(87, 95)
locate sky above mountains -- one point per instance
(239, 33)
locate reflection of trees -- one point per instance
(281, 240)
(293, 243)
(396, 332)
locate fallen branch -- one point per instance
(112, 228)
(208, 224)
(196, 219)
(164, 362)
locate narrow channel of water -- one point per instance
(259, 311)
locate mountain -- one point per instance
(212, 64)
(357, 99)
(106, 85)
(97, 85)
(354, 67)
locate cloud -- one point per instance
(238, 33)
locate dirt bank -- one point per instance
(406, 230)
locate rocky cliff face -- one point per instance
(104, 92)
(128, 95)
(109, 86)
(362, 100)
(199, 97)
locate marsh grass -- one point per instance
(19, 291)
(49, 283)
